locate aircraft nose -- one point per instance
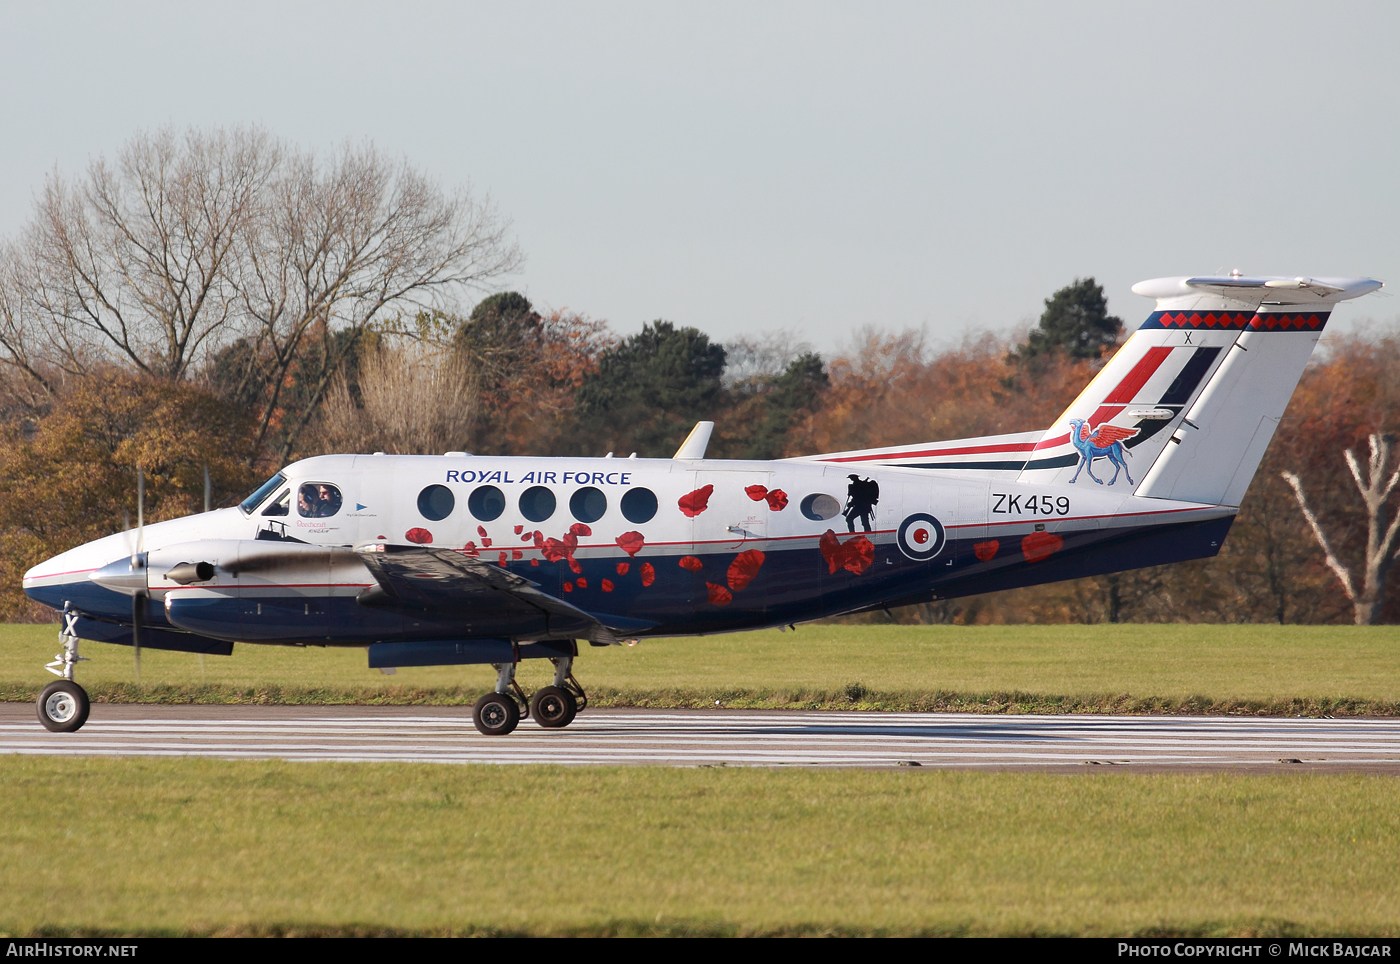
(122, 576)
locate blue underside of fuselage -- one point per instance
(791, 585)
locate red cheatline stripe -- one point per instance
(1129, 387)
(968, 450)
(1105, 413)
(1051, 443)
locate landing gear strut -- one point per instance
(64, 705)
(556, 706)
(498, 713)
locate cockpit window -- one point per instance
(318, 500)
(264, 490)
(280, 505)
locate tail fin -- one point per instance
(1194, 395)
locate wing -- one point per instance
(450, 583)
(1084, 431)
(1108, 434)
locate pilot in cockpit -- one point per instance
(318, 500)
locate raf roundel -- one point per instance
(921, 537)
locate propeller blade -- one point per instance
(140, 513)
(138, 600)
(138, 613)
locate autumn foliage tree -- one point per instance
(70, 477)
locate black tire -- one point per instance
(553, 707)
(63, 706)
(496, 714)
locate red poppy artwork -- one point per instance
(470, 549)
(582, 582)
(517, 554)
(622, 568)
(756, 492)
(534, 562)
(1041, 545)
(519, 529)
(691, 563)
(606, 585)
(719, 595)
(743, 569)
(648, 574)
(553, 549)
(579, 529)
(574, 566)
(855, 555)
(631, 542)
(528, 537)
(777, 500)
(481, 531)
(985, 551)
(694, 503)
(505, 557)
(568, 587)
(420, 536)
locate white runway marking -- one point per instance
(712, 738)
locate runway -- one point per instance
(719, 738)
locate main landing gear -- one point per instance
(553, 707)
(64, 705)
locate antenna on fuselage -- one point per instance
(206, 487)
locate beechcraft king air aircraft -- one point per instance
(437, 560)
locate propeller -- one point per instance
(138, 599)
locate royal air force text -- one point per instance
(542, 478)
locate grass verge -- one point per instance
(854, 697)
(150, 847)
(1179, 669)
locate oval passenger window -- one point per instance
(537, 503)
(639, 505)
(820, 507)
(588, 504)
(486, 502)
(436, 502)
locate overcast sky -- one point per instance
(746, 167)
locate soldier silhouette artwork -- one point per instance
(862, 495)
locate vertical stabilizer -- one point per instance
(1187, 406)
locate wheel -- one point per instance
(553, 707)
(63, 706)
(496, 714)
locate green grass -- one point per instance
(204, 846)
(1135, 668)
(1154, 668)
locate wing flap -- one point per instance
(451, 583)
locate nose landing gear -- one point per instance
(553, 707)
(64, 705)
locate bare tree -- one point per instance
(130, 262)
(339, 246)
(1380, 538)
(227, 252)
(413, 400)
